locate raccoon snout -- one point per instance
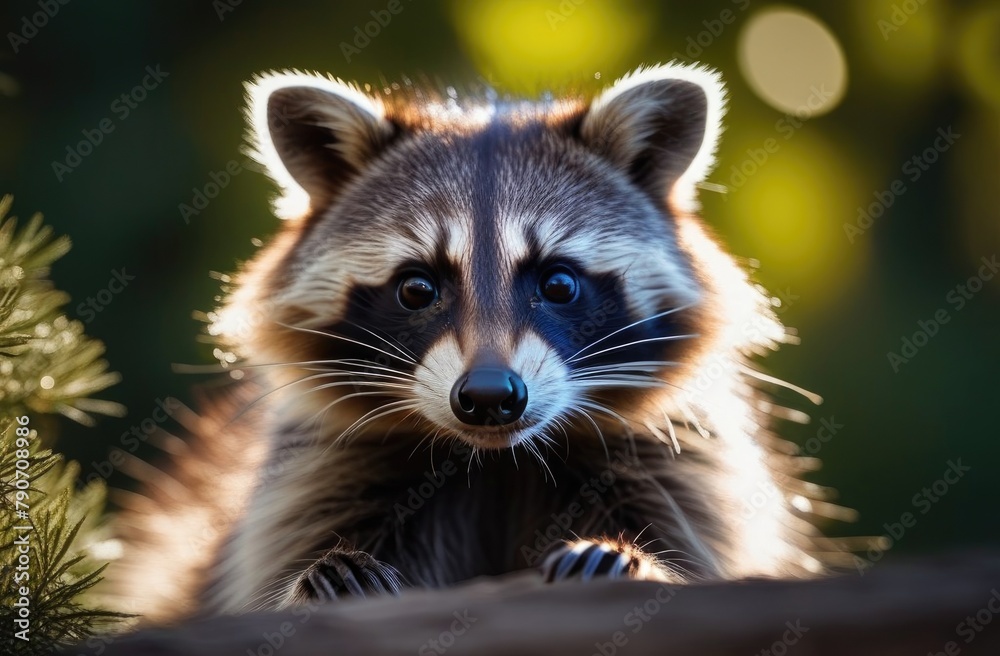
(489, 396)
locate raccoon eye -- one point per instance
(416, 292)
(559, 285)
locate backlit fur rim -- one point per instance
(293, 201)
(711, 83)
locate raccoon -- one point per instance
(491, 335)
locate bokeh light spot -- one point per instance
(979, 52)
(793, 62)
(47, 382)
(527, 46)
(903, 48)
(790, 215)
(975, 177)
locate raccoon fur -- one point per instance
(491, 335)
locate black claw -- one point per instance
(391, 580)
(350, 581)
(347, 574)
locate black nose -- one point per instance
(489, 396)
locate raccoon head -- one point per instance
(494, 272)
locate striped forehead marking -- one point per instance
(458, 243)
(486, 147)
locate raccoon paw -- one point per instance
(346, 574)
(589, 559)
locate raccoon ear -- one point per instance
(312, 134)
(660, 125)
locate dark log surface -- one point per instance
(912, 607)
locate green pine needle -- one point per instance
(47, 365)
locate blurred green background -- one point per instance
(895, 73)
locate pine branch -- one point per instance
(51, 535)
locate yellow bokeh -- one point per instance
(793, 61)
(977, 46)
(790, 213)
(527, 46)
(975, 176)
(904, 39)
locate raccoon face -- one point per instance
(495, 273)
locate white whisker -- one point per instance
(533, 448)
(322, 412)
(372, 415)
(572, 358)
(641, 365)
(359, 374)
(666, 338)
(325, 374)
(622, 381)
(347, 339)
(347, 361)
(600, 435)
(360, 383)
(606, 410)
(399, 346)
